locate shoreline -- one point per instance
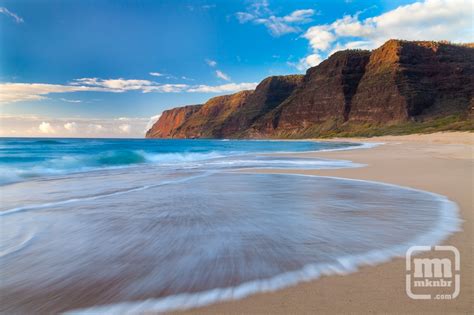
(437, 165)
(440, 163)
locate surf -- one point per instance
(272, 230)
(26, 159)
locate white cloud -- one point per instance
(156, 74)
(219, 73)
(260, 13)
(70, 126)
(45, 127)
(230, 87)
(125, 128)
(307, 62)
(167, 76)
(211, 63)
(245, 17)
(165, 88)
(320, 37)
(95, 129)
(424, 20)
(277, 26)
(299, 16)
(70, 101)
(114, 85)
(17, 18)
(14, 92)
(33, 126)
(17, 92)
(222, 75)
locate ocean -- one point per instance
(135, 226)
(27, 158)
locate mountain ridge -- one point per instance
(400, 87)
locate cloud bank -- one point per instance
(426, 20)
(17, 92)
(33, 126)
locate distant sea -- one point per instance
(26, 158)
(131, 226)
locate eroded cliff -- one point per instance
(399, 83)
(170, 120)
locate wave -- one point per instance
(447, 223)
(131, 157)
(33, 142)
(49, 142)
(11, 173)
(184, 157)
(16, 241)
(272, 162)
(97, 196)
(117, 158)
(24, 164)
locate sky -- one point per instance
(83, 68)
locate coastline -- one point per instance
(441, 163)
(438, 164)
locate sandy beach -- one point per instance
(63, 251)
(441, 163)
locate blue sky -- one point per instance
(118, 63)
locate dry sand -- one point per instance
(442, 163)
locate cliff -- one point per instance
(269, 94)
(170, 120)
(207, 121)
(324, 96)
(414, 80)
(357, 92)
(225, 116)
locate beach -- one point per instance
(441, 163)
(321, 161)
(247, 236)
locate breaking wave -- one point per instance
(24, 159)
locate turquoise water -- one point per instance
(24, 158)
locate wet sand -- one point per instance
(441, 163)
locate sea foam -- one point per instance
(230, 235)
(448, 222)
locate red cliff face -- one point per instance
(399, 82)
(268, 95)
(171, 120)
(324, 96)
(208, 120)
(227, 116)
(410, 80)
